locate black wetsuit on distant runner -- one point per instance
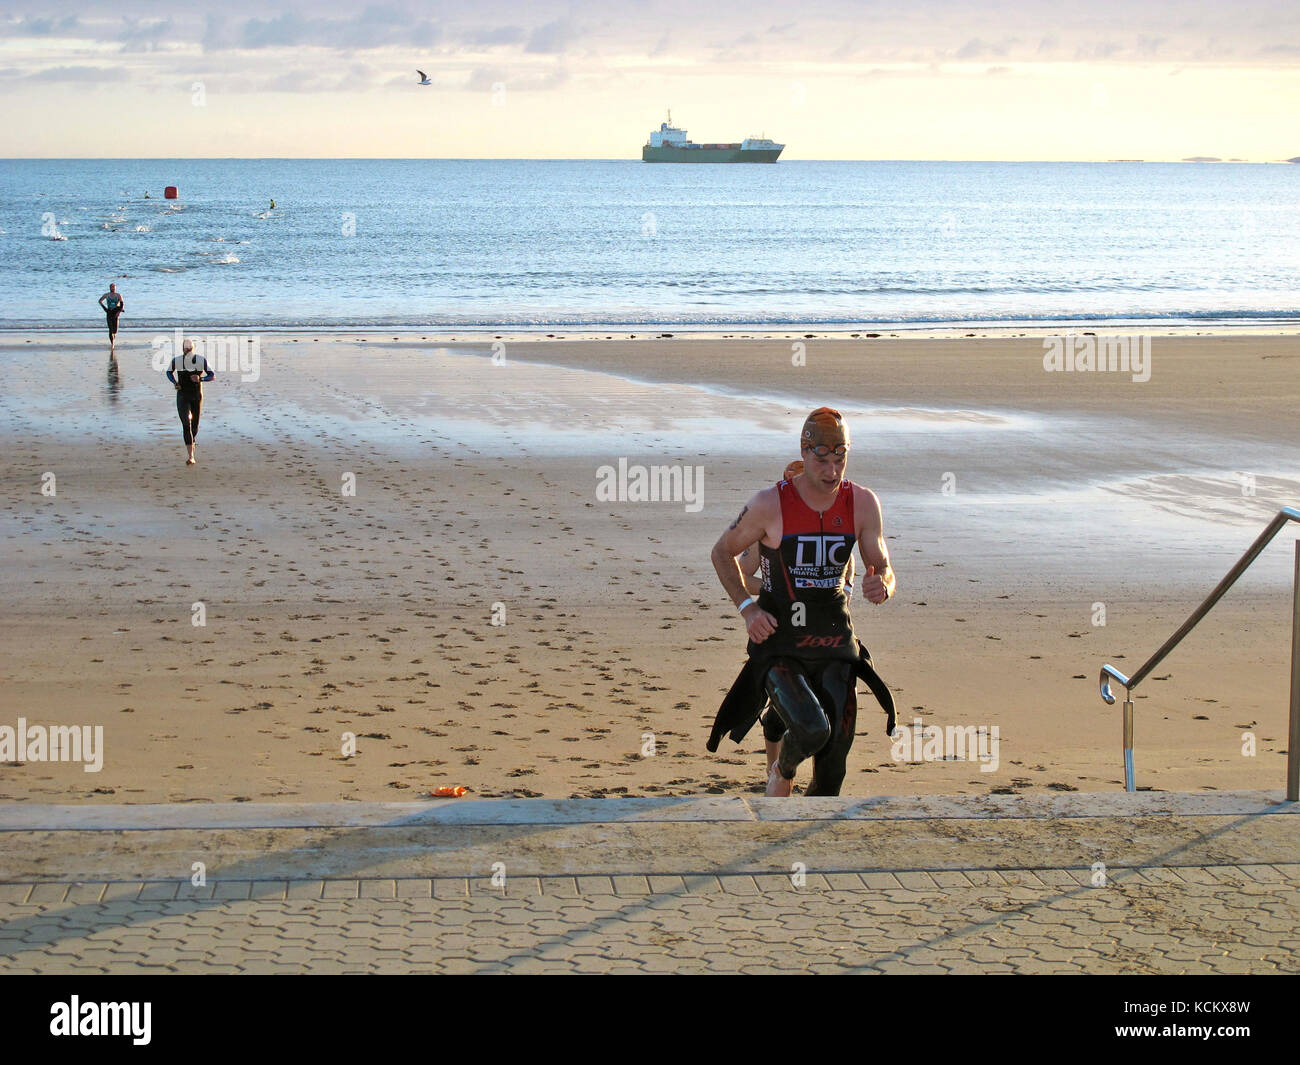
(113, 309)
(808, 669)
(183, 371)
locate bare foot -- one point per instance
(778, 785)
(189, 461)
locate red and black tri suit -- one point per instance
(807, 666)
(808, 569)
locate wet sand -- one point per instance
(1016, 502)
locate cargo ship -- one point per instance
(668, 144)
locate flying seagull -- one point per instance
(424, 78)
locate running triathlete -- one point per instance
(748, 560)
(112, 304)
(188, 372)
(801, 638)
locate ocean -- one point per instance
(538, 244)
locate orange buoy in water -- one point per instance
(170, 192)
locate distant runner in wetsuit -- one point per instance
(112, 304)
(188, 372)
(801, 635)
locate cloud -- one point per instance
(499, 35)
(379, 26)
(152, 33)
(847, 50)
(553, 38)
(747, 48)
(375, 27)
(140, 36)
(486, 79)
(217, 34)
(1148, 46)
(41, 27)
(293, 81)
(356, 77)
(81, 74)
(279, 32)
(976, 48)
(1098, 50)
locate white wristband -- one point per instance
(746, 603)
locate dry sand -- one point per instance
(476, 482)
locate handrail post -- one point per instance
(1293, 741)
(1128, 743)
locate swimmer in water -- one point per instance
(188, 372)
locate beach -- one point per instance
(399, 538)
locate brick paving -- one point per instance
(1238, 914)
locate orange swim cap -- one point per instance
(824, 427)
(793, 470)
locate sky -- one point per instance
(832, 79)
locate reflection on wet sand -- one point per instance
(114, 382)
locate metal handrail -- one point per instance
(1109, 672)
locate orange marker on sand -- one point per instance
(448, 793)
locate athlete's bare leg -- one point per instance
(773, 753)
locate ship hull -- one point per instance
(667, 154)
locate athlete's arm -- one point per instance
(748, 562)
(171, 374)
(879, 583)
(211, 373)
(102, 305)
(761, 515)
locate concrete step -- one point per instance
(645, 836)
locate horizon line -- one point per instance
(1207, 160)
